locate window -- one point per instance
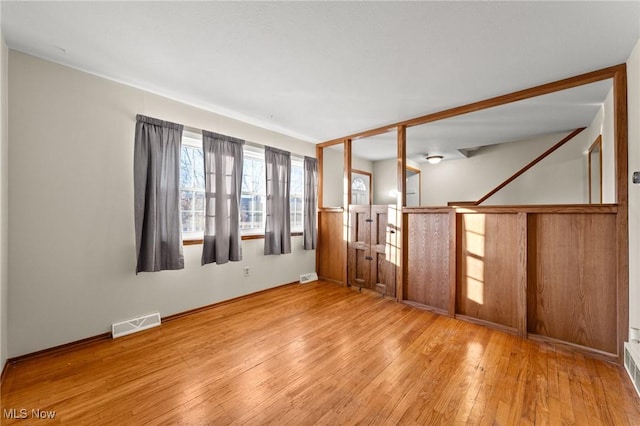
(192, 192)
(296, 195)
(252, 200)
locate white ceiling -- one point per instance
(322, 70)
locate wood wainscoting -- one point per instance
(543, 272)
(427, 261)
(332, 245)
(571, 292)
(487, 263)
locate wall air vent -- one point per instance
(134, 325)
(632, 363)
(307, 278)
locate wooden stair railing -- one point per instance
(517, 174)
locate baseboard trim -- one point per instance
(55, 350)
(5, 368)
(330, 280)
(573, 347)
(224, 302)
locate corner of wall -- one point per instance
(4, 177)
(633, 105)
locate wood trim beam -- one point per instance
(331, 209)
(453, 262)
(546, 208)
(543, 89)
(319, 200)
(347, 202)
(401, 201)
(622, 198)
(521, 284)
(320, 157)
(530, 165)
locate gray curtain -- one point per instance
(277, 235)
(223, 157)
(310, 202)
(157, 195)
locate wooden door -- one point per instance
(382, 270)
(359, 263)
(369, 236)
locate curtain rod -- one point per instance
(195, 130)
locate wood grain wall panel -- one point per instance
(331, 246)
(427, 261)
(488, 267)
(572, 279)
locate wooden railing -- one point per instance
(520, 172)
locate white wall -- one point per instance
(4, 209)
(385, 181)
(71, 234)
(633, 103)
(413, 190)
(559, 178)
(332, 177)
(602, 124)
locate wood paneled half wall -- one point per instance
(544, 272)
(331, 250)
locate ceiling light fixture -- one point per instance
(434, 159)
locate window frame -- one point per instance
(256, 153)
(194, 140)
(297, 162)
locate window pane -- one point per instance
(297, 180)
(186, 200)
(296, 195)
(253, 193)
(199, 201)
(191, 167)
(192, 196)
(187, 222)
(198, 220)
(198, 168)
(186, 172)
(253, 177)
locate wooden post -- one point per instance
(401, 197)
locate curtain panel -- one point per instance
(223, 159)
(310, 202)
(157, 195)
(277, 235)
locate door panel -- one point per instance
(359, 268)
(369, 239)
(382, 271)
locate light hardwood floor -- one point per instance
(320, 353)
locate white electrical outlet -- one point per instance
(245, 271)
